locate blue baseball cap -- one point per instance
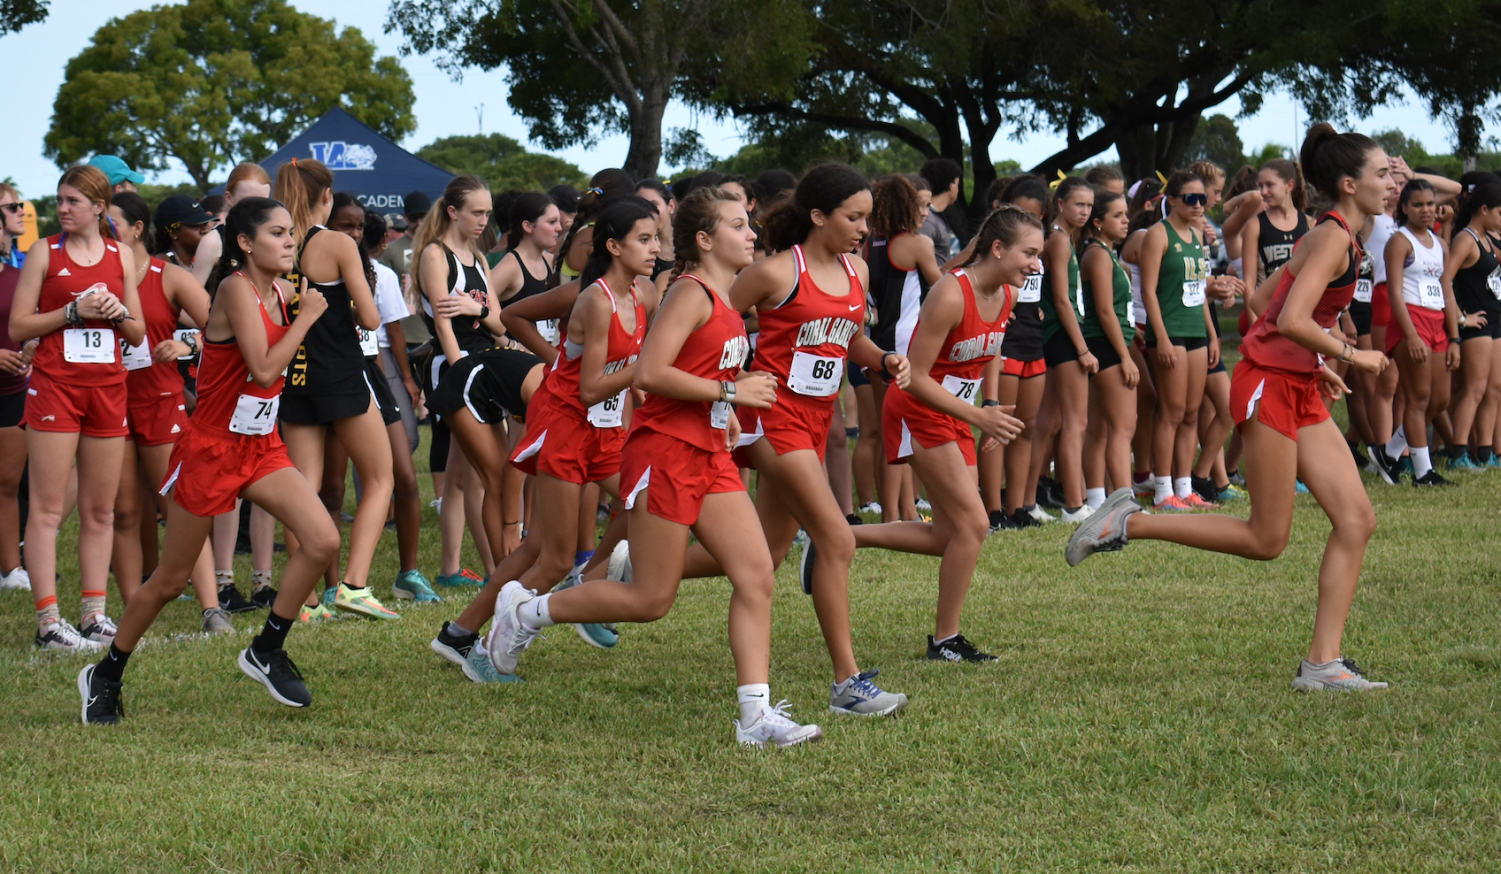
(117, 170)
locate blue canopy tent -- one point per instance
(379, 173)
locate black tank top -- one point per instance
(659, 268)
(329, 362)
(1276, 245)
(467, 279)
(1475, 286)
(531, 286)
(896, 296)
(1024, 332)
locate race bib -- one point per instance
(814, 376)
(255, 416)
(1494, 283)
(719, 415)
(369, 345)
(1363, 290)
(548, 328)
(136, 357)
(1193, 293)
(963, 389)
(608, 412)
(1131, 316)
(1031, 291)
(1430, 294)
(89, 345)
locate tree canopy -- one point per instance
(209, 83)
(16, 14)
(500, 161)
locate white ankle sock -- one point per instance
(1182, 486)
(1421, 463)
(1094, 498)
(753, 698)
(1164, 489)
(1398, 442)
(535, 613)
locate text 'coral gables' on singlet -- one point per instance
(714, 351)
(971, 344)
(805, 340)
(89, 355)
(562, 382)
(148, 379)
(1266, 348)
(228, 398)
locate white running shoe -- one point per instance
(1042, 516)
(619, 567)
(1340, 675)
(1078, 515)
(60, 636)
(17, 580)
(871, 507)
(774, 728)
(508, 634)
(923, 505)
(101, 630)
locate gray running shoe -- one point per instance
(1340, 675)
(861, 697)
(775, 728)
(508, 634)
(216, 621)
(1105, 530)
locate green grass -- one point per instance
(1139, 719)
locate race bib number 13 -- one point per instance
(89, 345)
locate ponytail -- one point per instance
(245, 218)
(698, 212)
(823, 188)
(615, 221)
(300, 186)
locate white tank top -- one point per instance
(1382, 228)
(1421, 274)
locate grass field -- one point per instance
(1139, 719)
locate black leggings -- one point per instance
(437, 451)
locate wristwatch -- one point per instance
(727, 391)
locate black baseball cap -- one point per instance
(179, 210)
(416, 204)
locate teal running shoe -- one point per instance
(464, 577)
(1493, 461)
(329, 594)
(1231, 493)
(413, 586)
(1300, 488)
(1464, 463)
(1407, 465)
(592, 633)
(476, 666)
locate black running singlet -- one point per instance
(1276, 245)
(329, 363)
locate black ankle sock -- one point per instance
(274, 634)
(350, 586)
(112, 666)
(1482, 454)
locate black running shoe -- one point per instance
(854, 519)
(1050, 493)
(454, 647)
(805, 567)
(101, 698)
(264, 596)
(231, 600)
(999, 521)
(956, 649)
(1360, 459)
(1389, 468)
(1022, 519)
(278, 674)
(1205, 489)
(1431, 478)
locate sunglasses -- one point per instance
(1195, 199)
(16, 208)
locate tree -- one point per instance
(580, 68)
(500, 161)
(210, 83)
(1217, 139)
(16, 14)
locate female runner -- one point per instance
(897, 293)
(231, 447)
(680, 478)
(1474, 275)
(1065, 405)
(1108, 327)
(808, 330)
(1424, 319)
(1287, 430)
(15, 366)
(1279, 227)
(77, 295)
(327, 384)
(527, 268)
(1174, 277)
(955, 343)
(154, 405)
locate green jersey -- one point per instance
(1050, 324)
(1121, 300)
(1181, 284)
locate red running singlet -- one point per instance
(87, 356)
(1267, 349)
(805, 340)
(229, 401)
(147, 379)
(714, 351)
(561, 387)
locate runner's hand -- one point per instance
(1451, 357)
(756, 389)
(310, 302)
(1330, 385)
(1417, 348)
(732, 432)
(901, 370)
(1166, 354)
(1130, 372)
(1088, 362)
(997, 423)
(13, 362)
(1369, 360)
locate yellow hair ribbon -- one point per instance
(1161, 178)
(1053, 186)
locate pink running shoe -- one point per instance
(1194, 502)
(1172, 504)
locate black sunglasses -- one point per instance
(1195, 199)
(13, 207)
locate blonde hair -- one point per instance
(436, 223)
(246, 172)
(299, 186)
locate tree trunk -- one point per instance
(645, 152)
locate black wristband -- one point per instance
(884, 356)
(484, 312)
(990, 403)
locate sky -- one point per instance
(37, 56)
